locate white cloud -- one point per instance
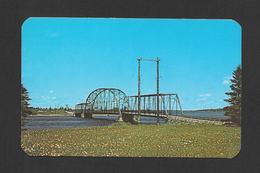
(226, 80)
(51, 91)
(203, 97)
(48, 97)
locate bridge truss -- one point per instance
(115, 101)
(105, 101)
(169, 104)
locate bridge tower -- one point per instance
(157, 60)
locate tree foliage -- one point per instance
(234, 100)
(24, 101)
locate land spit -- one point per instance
(193, 120)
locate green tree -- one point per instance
(67, 107)
(234, 100)
(24, 101)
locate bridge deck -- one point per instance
(133, 113)
(147, 114)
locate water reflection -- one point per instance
(48, 122)
(143, 120)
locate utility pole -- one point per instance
(158, 87)
(139, 89)
(157, 78)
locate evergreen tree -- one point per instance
(234, 100)
(24, 100)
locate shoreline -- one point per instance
(194, 120)
(50, 115)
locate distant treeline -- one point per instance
(211, 110)
(50, 110)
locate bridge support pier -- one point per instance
(133, 119)
(120, 119)
(87, 115)
(77, 115)
(136, 119)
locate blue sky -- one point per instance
(64, 59)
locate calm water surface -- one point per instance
(208, 115)
(47, 122)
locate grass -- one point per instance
(125, 140)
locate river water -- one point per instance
(47, 122)
(207, 115)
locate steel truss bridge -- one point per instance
(115, 101)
